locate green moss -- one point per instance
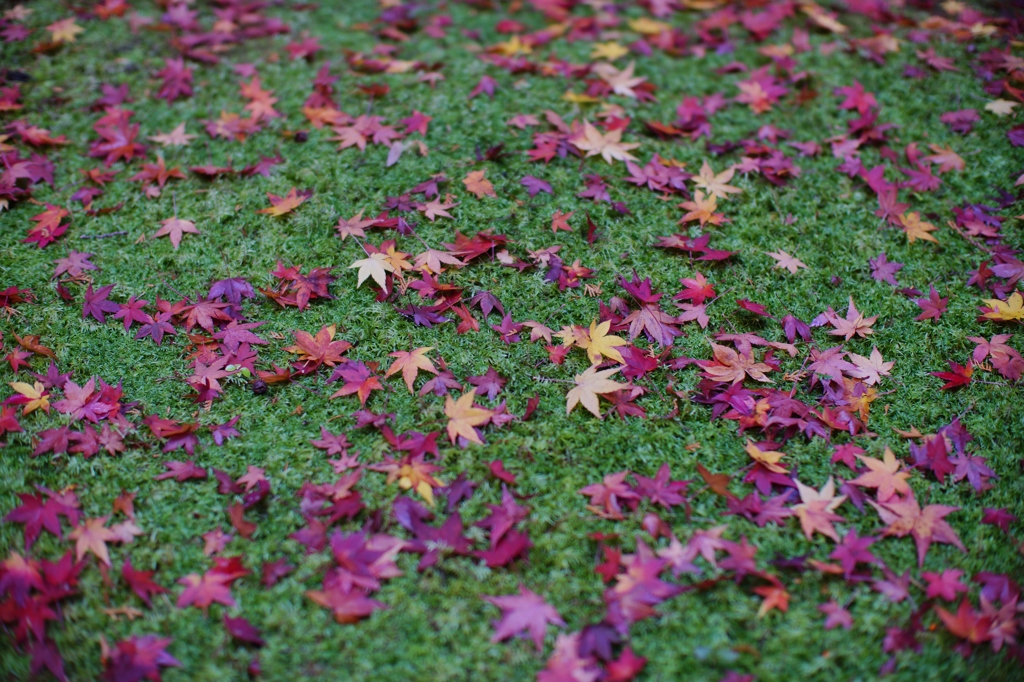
(437, 626)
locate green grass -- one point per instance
(437, 626)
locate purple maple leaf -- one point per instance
(534, 186)
(96, 303)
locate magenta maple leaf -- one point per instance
(522, 612)
(933, 306)
(96, 303)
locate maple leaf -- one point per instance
(347, 606)
(945, 585)
(916, 228)
(32, 396)
(560, 221)
(702, 209)
(203, 590)
(567, 665)
(854, 324)
(525, 611)
(478, 185)
(65, 30)
(967, 624)
(376, 265)
(174, 229)
(319, 349)
(137, 658)
(92, 536)
(883, 474)
(606, 495)
(784, 260)
(715, 185)
(74, 264)
(610, 51)
(933, 306)
(905, 517)
(412, 473)
(769, 459)
(409, 363)
(946, 159)
(40, 514)
(435, 208)
(1005, 311)
(141, 582)
(599, 344)
(816, 509)
(353, 227)
(463, 416)
(433, 261)
(358, 379)
(286, 204)
(622, 82)
(48, 227)
(661, 489)
(960, 376)
(870, 369)
(733, 367)
(176, 138)
(589, 386)
(609, 145)
(835, 616)
(775, 597)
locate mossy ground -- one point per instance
(437, 626)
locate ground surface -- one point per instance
(436, 625)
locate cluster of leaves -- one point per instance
(818, 383)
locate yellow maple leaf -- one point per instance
(1006, 311)
(917, 228)
(65, 30)
(599, 344)
(589, 385)
(576, 98)
(33, 397)
(648, 27)
(512, 47)
(463, 415)
(769, 459)
(610, 51)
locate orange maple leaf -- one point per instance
(409, 363)
(905, 517)
(477, 184)
(463, 415)
(286, 204)
(883, 474)
(816, 510)
(92, 536)
(319, 349)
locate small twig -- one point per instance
(171, 287)
(415, 234)
(103, 236)
(361, 245)
(956, 228)
(555, 381)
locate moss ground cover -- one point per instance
(436, 625)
